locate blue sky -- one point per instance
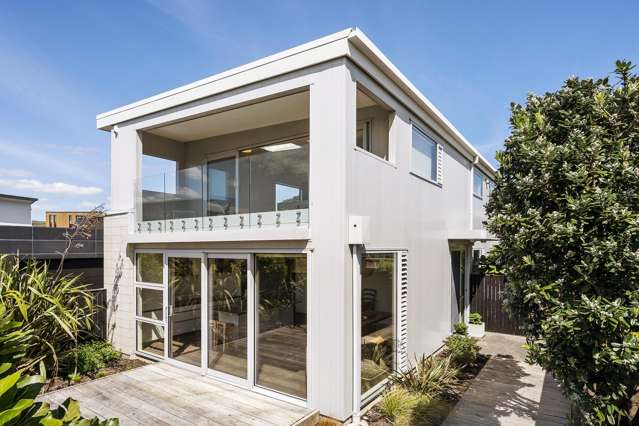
(63, 62)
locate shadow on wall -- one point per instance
(113, 300)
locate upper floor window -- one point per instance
(363, 135)
(373, 124)
(478, 185)
(424, 156)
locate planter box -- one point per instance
(477, 330)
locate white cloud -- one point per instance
(15, 173)
(51, 188)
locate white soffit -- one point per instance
(267, 113)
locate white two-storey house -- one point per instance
(314, 231)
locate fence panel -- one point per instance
(486, 297)
(100, 315)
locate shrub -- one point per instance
(55, 311)
(397, 403)
(428, 377)
(475, 318)
(429, 412)
(462, 350)
(18, 392)
(565, 210)
(89, 357)
(461, 328)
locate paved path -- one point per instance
(508, 391)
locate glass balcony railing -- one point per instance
(258, 187)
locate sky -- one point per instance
(64, 62)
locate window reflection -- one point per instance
(281, 325)
(378, 325)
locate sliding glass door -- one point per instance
(241, 317)
(280, 327)
(185, 309)
(228, 314)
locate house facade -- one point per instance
(313, 231)
(15, 210)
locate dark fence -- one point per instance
(41, 242)
(486, 297)
(100, 315)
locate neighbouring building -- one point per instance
(21, 237)
(315, 231)
(15, 210)
(66, 219)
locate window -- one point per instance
(378, 319)
(287, 197)
(363, 135)
(373, 120)
(149, 303)
(424, 156)
(221, 182)
(149, 267)
(478, 185)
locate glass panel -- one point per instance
(280, 358)
(378, 330)
(184, 193)
(149, 267)
(149, 303)
(150, 338)
(228, 316)
(264, 169)
(457, 258)
(478, 185)
(153, 194)
(185, 314)
(424, 155)
(221, 183)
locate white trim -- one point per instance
(357, 335)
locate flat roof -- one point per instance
(18, 198)
(333, 46)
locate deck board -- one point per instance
(162, 394)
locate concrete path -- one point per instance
(508, 391)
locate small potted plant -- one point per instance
(476, 327)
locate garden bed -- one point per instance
(125, 363)
(410, 402)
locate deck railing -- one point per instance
(262, 187)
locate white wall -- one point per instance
(406, 213)
(409, 213)
(15, 212)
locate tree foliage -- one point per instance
(566, 211)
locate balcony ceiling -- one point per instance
(274, 111)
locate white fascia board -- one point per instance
(368, 48)
(305, 55)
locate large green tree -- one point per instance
(566, 211)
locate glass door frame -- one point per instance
(250, 320)
(168, 340)
(151, 286)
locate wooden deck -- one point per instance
(161, 394)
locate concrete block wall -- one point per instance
(118, 281)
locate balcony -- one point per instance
(257, 187)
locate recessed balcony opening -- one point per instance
(373, 122)
(245, 167)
